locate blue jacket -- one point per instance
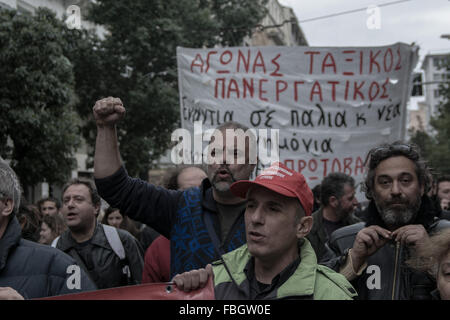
(35, 270)
(177, 215)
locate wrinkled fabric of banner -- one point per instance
(148, 291)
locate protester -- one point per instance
(157, 256)
(443, 191)
(52, 226)
(30, 220)
(442, 196)
(316, 193)
(29, 270)
(184, 177)
(400, 217)
(434, 258)
(338, 201)
(97, 248)
(141, 232)
(200, 222)
(114, 218)
(277, 262)
(48, 206)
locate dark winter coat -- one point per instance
(35, 270)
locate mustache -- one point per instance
(397, 201)
(223, 168)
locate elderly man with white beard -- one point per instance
(399, 220)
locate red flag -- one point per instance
(148, 291)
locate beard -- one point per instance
(398, 212)
(343, 213)
(222, 185)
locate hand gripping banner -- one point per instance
(148, 291)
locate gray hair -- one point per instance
(9, 185)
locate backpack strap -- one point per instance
(55, 241)
(112, 235)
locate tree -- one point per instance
(38, 125)
(436, 148)
(137, 62)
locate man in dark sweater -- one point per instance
(201, 223)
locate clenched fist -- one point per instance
(194, 279)
(108, 111)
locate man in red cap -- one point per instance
(277, 262)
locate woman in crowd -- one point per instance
(114, 218)
(30, 220)
(52, 226)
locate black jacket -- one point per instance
(318, 235)
(386, 276)
(35, 270)
(101, 263)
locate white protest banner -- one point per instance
(330, 104)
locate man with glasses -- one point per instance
(400, 218)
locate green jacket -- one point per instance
(309, 281)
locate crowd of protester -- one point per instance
(258, 239)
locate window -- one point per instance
(437, 62)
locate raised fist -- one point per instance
(108, 111)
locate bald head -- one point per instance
(190, 177)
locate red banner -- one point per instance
(148, 291)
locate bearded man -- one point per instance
(400, 218)
(201, 222)
(338, 204)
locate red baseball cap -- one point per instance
(282, 180)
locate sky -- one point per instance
(419, 21)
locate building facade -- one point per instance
(434, 75)
(279, 27)
(75, 8)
